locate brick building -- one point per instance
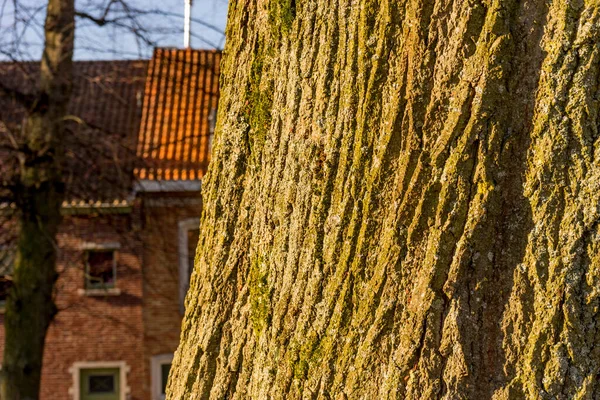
(127, 243)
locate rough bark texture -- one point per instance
(39, 194)
(403, 202)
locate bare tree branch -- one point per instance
(24, 99)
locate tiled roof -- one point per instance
(149, 120)
(105, 111)
(180, 102)
(108, 97)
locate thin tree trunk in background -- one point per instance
(403, 203)
(30, 306)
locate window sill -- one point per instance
(99, 292)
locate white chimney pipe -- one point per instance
(187, 23)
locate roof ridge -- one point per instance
(79, 61)
(188, 49)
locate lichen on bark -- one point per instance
(426, 207)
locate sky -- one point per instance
(21, 32)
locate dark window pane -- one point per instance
(100, 269)
(5, 284)
(193, 236)
(164, 376)
(7, 258)
(102, 383)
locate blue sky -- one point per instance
(164, 25)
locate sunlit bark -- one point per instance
(403, 203)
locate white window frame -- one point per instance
(75, 370)
(158, 186)
(110, 246)
(212, 125)
(3, 271)
(155, 368)
(184, 227)
(9, 258)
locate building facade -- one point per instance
(131, 221)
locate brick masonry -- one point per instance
(143, 320)
(166, 137)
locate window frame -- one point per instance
(113, 247)
(3, 301)
(184, 227)
(86, 380)
(156, 363)
(6, 268)
(212, 126)
(77, 367)
(7, 258)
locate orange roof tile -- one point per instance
(131, 120)
(180, 102)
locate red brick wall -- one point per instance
(99, 328)
(162, 317)
(143, 321)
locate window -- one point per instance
(164, 378)
(161, 366)
(5, 285)
(101, 269)
(192, 242)
(7, 256)
(99, 380)
(188, 240)
(212, 123)
(212, 120)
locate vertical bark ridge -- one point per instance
(402, 203)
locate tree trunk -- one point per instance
(30, 306)
(403, 202)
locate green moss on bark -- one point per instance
(259, 103)
(282, 14)
(427, 208)
(260, 296)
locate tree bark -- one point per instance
(30, 306)
(403, 202)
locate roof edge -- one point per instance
(158, 186)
